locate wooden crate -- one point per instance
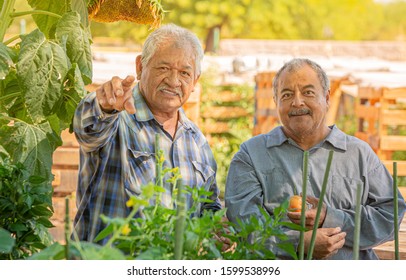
(65, 169)
(225, 112)
(212, 127)
(192, 105)
(335, 97)
(367, 111)
(392, 117)
(265, 116)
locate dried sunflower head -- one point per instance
(138, 11)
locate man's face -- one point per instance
(302, 105)
(169, 78)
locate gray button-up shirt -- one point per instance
(268, 168)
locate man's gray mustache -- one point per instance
(178, 92)
(300, 112)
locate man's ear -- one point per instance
(195, 83)
(138, 66)
(328, 99)
(197, 79)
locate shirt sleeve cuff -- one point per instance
(334, 218)
(101, 115)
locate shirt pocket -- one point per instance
(139, 171)
(276, 187)
(204, 174)
(343, 191)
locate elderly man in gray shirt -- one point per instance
(267, 170)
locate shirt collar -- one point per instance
(143, 113)
(336, 138)
(275, 137)
(183, 120)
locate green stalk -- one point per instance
(67, 228)
(159, 163)
(9, 96)
(357, 225)
(6, 19)
(180, 222)
(11, 39)
(34, 12)
(395, 209)
(117, 232)
(304, 194)
(320, 205)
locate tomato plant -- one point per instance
(153, 231)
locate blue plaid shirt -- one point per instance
(117, 157)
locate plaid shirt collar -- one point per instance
(144, 114)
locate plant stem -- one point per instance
(180, 222)
(34, 12)
(6, 19)
(11, 39)
(395, 209)
(158, 165)
(320, 205)
(67, 229)
(357, 226)
(9, 96)
(304, 193)
(127, 220)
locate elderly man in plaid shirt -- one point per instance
(116, 127)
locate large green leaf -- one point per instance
(77, 43)
(3, 154)
(41, 68)
(9, 90)
(91, 251)
(5, 61)
(80, 6)
(44, 22)
(54, 252)
(29, 145)
(6, 241)
(57, 126)
(73, 92)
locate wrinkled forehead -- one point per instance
(298, 73)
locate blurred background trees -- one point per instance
(270, 19)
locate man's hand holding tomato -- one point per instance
(310, 213)
(328, 240)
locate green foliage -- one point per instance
(6, 242)
(294, 19)
(156, 232)
(277, 19)
(252, 236)
(224, 146)
(42, 80)
(152, 236)
(25, 209)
